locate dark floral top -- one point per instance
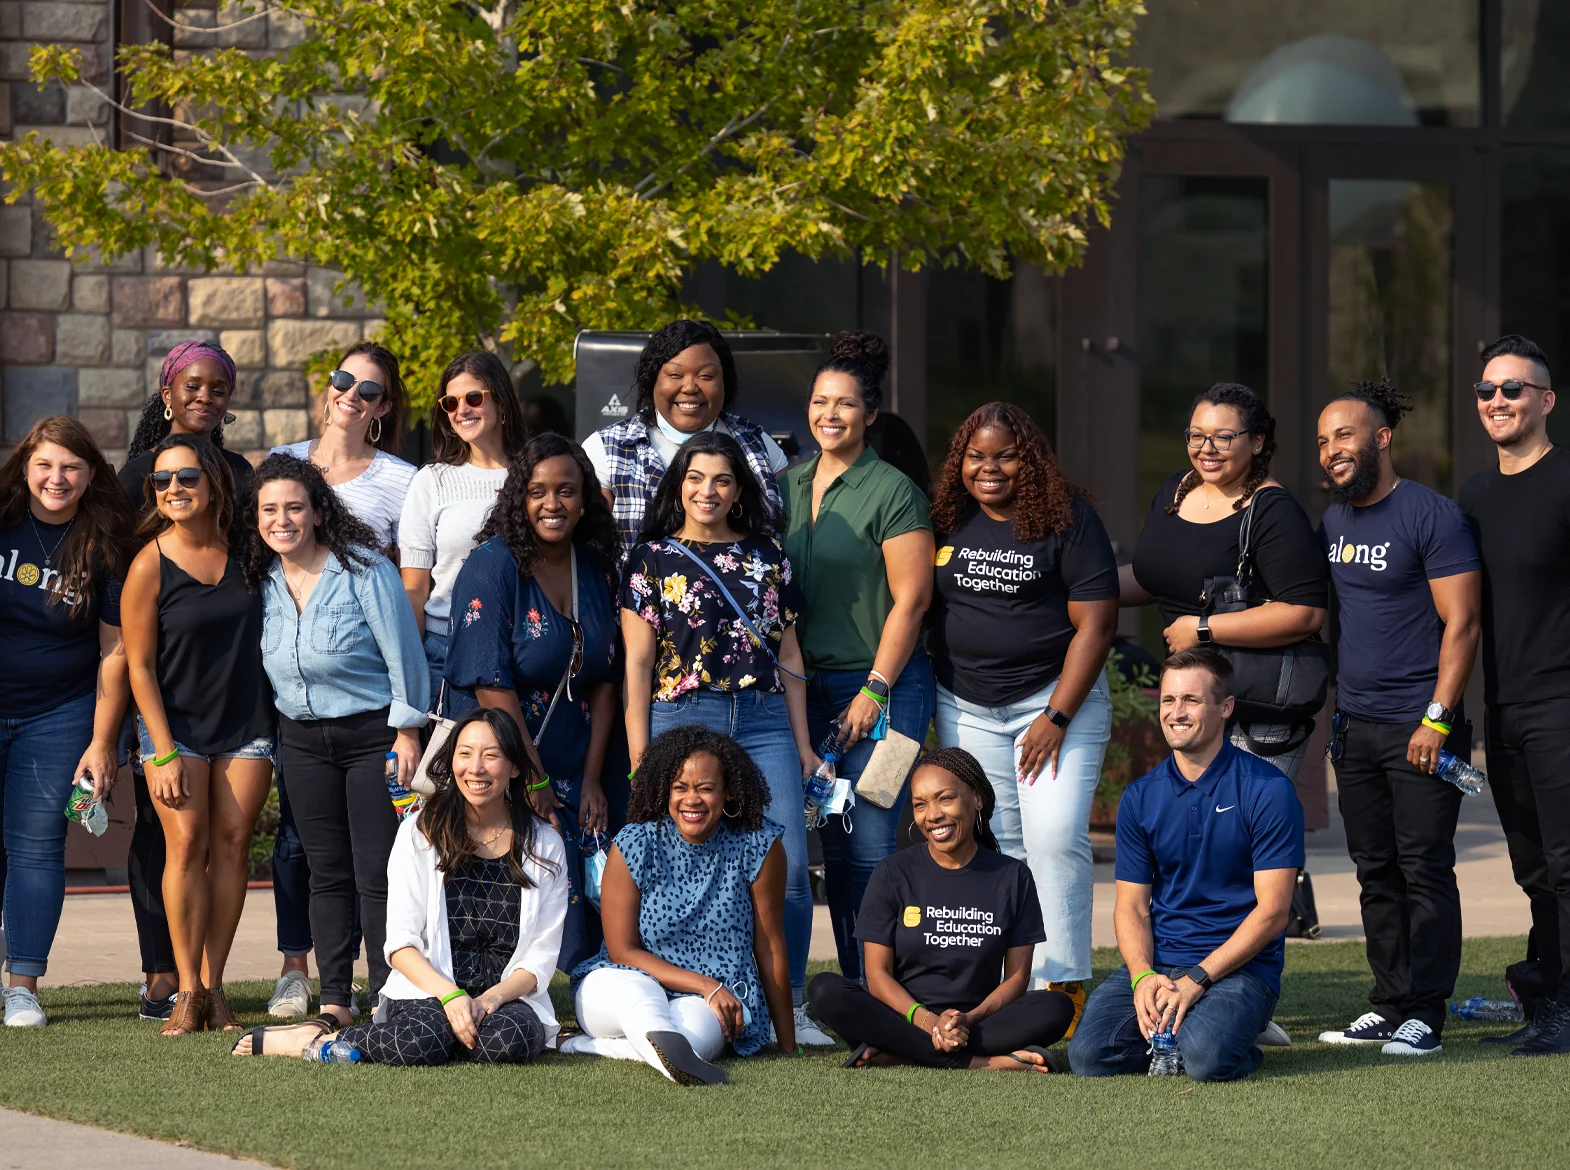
(699, 640)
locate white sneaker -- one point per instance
(291, 997)
(1274, 1036)
(809, 1033)
(22, 1010)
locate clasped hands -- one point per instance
(1159, 1000)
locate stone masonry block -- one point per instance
(82, 339)
(324, 302)
(92, 261)
(106, 426)
(193, 28)
(248, 347)
(251, 34)
(152, 369)
(283, 268)
(285, 426)
(155, 261)
(16, 233)
(83, 105)
(282, 389)
(44, 21)
(128, 347)
(161, 341)
(62, 135)
(26, 339)
(247, 390)
(40, 284)
(34, 393)
(245, 431)
(284, 30)
(148, 300)
(110, 387)
(42, 104)
(5, 107)
(13, 61)
(5, 282)
(227, 300)
(90, 294)
(291, 343)
(10, 21)
(285, 296)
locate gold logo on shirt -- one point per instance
(943, 556)
(912, 915)
(27, 574)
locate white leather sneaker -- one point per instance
(22, 1010)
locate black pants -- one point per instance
(1529, 775)
(417, 1033)
(144, 868)
(1400, 832)
(347, 825)
(1037, 1017)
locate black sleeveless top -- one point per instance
(215, 695)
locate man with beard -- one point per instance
(1520, 511)
(1408, 586)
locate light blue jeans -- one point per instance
(1046, 824)
(758, 720)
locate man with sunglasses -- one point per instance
(1520, 513)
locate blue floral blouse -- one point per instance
(695, 909)
(506, 633)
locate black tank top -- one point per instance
(210, 659)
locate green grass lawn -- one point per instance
(1311, 1105)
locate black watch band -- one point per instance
(1200, 976)
(878, 687)
(1204, 631)
(1057, 717)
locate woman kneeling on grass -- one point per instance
(477, 893)
(693, 901)
(939, 921)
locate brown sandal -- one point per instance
(218, 1016)
(189, 1014)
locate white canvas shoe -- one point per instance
(22, 1010)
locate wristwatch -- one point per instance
(878, 687)
(1200, 976)
(1056, 716)
(1438, 713)
(1204, 631)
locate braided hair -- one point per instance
(153, 426)
(663, 760)
(965, 768)
(1257, 420)
(1381, 397)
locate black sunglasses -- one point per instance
(342, 380)
(1337, 745)
(189, 477)
(449, 402)
(1510, 389)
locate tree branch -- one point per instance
(729, 130)
(173, 23)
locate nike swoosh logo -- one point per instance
(1228, 808)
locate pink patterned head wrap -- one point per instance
(187, 352)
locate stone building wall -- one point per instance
(88, 339)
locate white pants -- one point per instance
(617, 1009)
(1046, 824)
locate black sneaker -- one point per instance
(1553, 1031)
(1525, 1034)
(1413, 1038)
(156, 1009)
(1368, 1028)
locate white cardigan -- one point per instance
(417, 917)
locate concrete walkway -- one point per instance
(27, 1142)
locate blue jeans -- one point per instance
(37, 755)
(759, 722)
(1216, 1039)
(854, 844)
(435, 643)
(1046, 824)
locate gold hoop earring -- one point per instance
(735, 511)
(327, 412)
(376, 430)
(725, 810)
(168, 413)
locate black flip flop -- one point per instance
(326, 1022)
(857, 1056)
(685, 1066)
(1051, 1061)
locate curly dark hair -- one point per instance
(662, 762)
(442, 820)
(482, 364)
(389, 436)
(665, 515)
(346, 537)
(865, 357)
(1045, 499)
(668, 341)
(1257, 420)
(220, 486)
(510, 515)
(965, 768)
(1382, 398)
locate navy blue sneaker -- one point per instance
(1413, 1038)
(1368, 1028)
(155, 1009)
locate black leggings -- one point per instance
(417, 1033)
(145, 872)
(1037, 1017)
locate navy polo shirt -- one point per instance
(1197, 846)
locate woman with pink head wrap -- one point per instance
(195, 385)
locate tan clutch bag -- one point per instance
(884, 776)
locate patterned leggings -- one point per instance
(417, 1033)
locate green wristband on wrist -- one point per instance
(540, 785)
(910, 1015)
(160, 761)
(880, 700)
(1133, 984)
(455, 993)
(1435, 725)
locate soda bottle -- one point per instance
(1478, 1008)
(331, 1052)
(1460, 773)
(1165, 1058)
(403, 798)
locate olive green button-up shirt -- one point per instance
(838, 561)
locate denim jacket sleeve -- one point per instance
(386, 607)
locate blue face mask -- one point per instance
(671, 433)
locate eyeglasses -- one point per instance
(1510, 389)
(342, 380)
(1337, 744)
(449, 402)
(189, 477)
(1221, 441)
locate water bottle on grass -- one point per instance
(1460, 773)
(331, 1052)
(1478, 1008)
(1165, 1059)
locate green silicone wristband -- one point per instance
(455, 993)
(540, 785)
(910, 1016)
(880, 700)
(1133, 984)
(160, 761)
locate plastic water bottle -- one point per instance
(1165, 1059)
(1460, 773)
(402, 798)
(332, 1052)
(818, 789)
(1478, 1008)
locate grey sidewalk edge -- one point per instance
(28, 1143)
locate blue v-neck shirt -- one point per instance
(1198, 845)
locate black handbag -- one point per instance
(1274, 684)
(1303, 919)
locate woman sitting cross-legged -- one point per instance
(941, 921)
(693, 902)
(476, 897)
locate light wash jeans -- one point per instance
(1046, 824)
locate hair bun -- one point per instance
(854, 345)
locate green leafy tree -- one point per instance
(509, 175)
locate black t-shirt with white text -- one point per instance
(1000, 626)
(950, 928)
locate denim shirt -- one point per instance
(354, 649)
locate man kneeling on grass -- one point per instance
(1209, 845)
